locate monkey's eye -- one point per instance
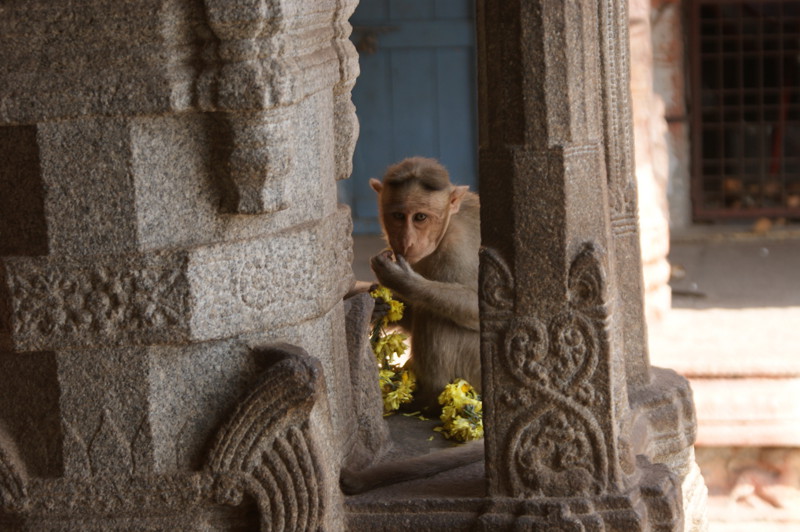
(398, 216)
(420, 217)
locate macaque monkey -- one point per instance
(433, 230)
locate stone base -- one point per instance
(454, 501)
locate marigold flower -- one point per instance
(461, 411)
(381, 292)
(397, 389)
(395, 311)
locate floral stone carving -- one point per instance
(555, 445)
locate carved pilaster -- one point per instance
(567, 387)
(346, 126)
(262, 57)
(620, 171)
(557, 440)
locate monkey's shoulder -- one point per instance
(454, 261)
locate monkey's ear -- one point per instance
(376, 185)
(456, 195)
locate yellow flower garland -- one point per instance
(462, 412)
(397, 385)
(462, 409)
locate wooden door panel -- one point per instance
(415, 94)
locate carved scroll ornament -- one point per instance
(266, 450)
(555, 445)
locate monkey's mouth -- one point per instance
(410, 259)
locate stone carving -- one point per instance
(616, 94)
(254, 282)
(624, 224)
(558, 451)
(261, 58)
(368, 439)
(108, 449)
(253, 155)
(253, 151)
(560, 446)
(345, 120)
(266, 450)
(564, 353)
(496, 284)
(208, 292)
(346, 129)
(112, 303)
(235, 75)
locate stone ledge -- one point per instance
(204, 293)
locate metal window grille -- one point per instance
(745, 61)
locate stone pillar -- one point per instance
(173, 262)
(581, 431)
(669, 70)
(652, 165)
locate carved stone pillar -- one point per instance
(173, 352)
(578, 423)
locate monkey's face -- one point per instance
(414, 220)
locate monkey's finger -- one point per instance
(377, 261)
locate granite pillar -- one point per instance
(173, 348)
(581, 427)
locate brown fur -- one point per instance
(440, 285)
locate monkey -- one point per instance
(433, 231)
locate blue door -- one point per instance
(415, 94)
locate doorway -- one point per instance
(416, 94)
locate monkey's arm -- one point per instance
(359, 287)
(453, 301)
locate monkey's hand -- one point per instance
(453, 301)
(395, 275)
